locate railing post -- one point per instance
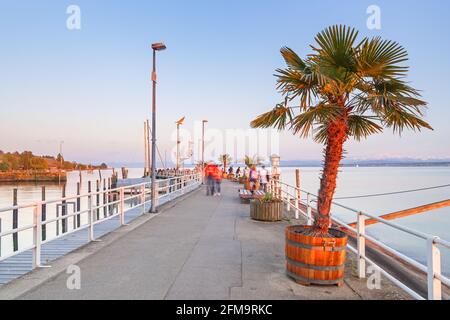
(276, 191)
(77, 218)
(37, 234)
(122, 206)
(182, 184)
(157, 193)
(272, 187)
(434, 270)
(97, 204)
(288, 198)
(297, 202)
(90, 214)
(297, 184)
(105, 208)
(43, 214)
(279, 188)
(143, 198)
(361, 244)
(309, 209)
(15, 222)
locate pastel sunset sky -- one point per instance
(91, 88)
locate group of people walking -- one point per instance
(256, 178)
(213, 176)
(260, 176)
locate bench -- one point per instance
(246, 195)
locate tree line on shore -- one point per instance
(15, 161)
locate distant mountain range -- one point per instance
(394, 162)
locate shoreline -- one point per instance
(32, 177)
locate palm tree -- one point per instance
(252, 161)
(345, 89)
(224, 159)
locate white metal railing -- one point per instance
(167, 190)
(291, 196)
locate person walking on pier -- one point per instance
(209, 175)
(217, 180)
(247, 172)
(263, 178)
(238, 172)
(253, 178)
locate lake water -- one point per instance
(351, 182)
(30, 192)
(362, 181)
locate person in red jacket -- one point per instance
(217, 175)
(209, 175)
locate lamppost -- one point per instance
(203, 150)
(60, 161)
(275, 174)
(155, 47)
(178, 123)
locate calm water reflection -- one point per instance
(352, 182)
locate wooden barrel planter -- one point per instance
(266, 211)
(314, 259)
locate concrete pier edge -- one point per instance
(25, 284)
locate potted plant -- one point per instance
(268, 208)
(251, 162)
(224, 159)
(345, 89)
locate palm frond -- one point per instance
(253, 161)
(385, 93)
(304, 123)
(278, 118)
(381, 58)
(399, 119)
(336, 48)
(299, 82)
(293, 61)
(321, 134)
(360, 127)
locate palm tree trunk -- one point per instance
(224, 164)
(337, 135)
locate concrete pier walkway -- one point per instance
(201, 248)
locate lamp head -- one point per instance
(181, 121)
(159, 46)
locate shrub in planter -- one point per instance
(268, 209)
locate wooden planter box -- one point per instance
(266, 211)
(313, 259)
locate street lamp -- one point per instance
(276, 172)
(203, 149)
(178, 123)
(156, 47)
(60, 161)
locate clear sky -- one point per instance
(91, 87)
